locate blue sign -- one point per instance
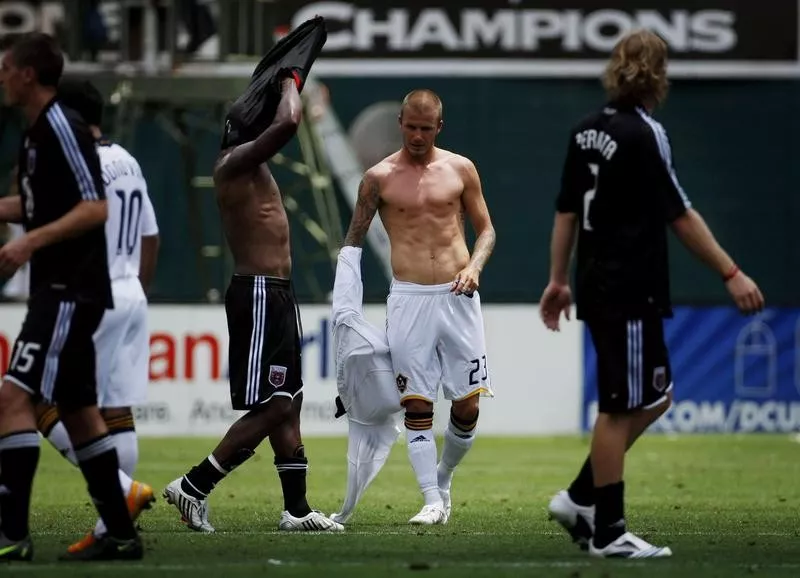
(731, 373)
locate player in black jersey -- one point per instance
(620, 192)
(63, 210)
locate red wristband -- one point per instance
(731, 274)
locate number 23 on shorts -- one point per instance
(478, 373)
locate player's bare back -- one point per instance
(255, 223)
(422, 211)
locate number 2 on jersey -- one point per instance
(129, 227)
(588, 196)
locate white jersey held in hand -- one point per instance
(123, 339)
(365, 380)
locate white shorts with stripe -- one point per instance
(436, 338)
(123, 347)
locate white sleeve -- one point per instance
(149, 222)
(348, 292)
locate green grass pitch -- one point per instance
(727, 506)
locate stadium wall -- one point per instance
(734, 144)
(732, 374)
(188, 394)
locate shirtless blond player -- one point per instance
(434, 321)
(265, 341)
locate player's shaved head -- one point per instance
(422, 101)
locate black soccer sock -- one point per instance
(609, 514)
(99, 463)
(292, 472)
(19, 456)
(202, 478)
(581, 491)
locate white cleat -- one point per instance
(629, 546)
(194, 512)
(429, 515)
(311, 522)
(575, 519)
(446, 504)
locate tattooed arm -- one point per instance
(369, 199)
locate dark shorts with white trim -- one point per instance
(264, 348)
(54, 356)
(633, 369)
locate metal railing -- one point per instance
(146, 36)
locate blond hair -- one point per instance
(421, 100)
(637, 71)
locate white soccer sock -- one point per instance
(127, 445)
(422, 454)
(59, 438)
(456, 445)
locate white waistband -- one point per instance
(407, 288)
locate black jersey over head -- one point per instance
(292, 56)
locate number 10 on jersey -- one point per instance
(130, 213)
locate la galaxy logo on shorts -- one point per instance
(277, 375)
(402, 382)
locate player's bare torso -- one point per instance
(255, 224)
(421, 209)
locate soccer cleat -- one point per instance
(194, 512)
(139, 498)
(16, 551)
(575, 519)
(629, 546)
(312, 522)
(429, 515)
(107, 548)
(87, 541)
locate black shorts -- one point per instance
(54, 356)
(633, 370)
(264, 340)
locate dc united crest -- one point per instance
(660, 379)
(402, 383)
(277, 375)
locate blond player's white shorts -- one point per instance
(122, 343)
(436, 338)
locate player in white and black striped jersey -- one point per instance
(63, 209)
(620, 192)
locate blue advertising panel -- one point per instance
(731, 373)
